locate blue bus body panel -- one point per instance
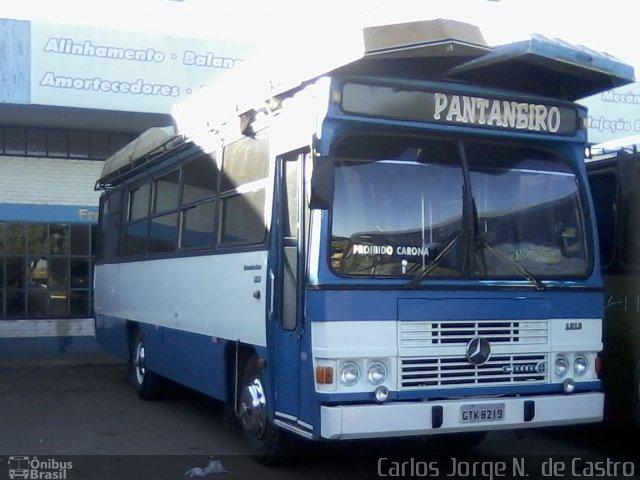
(112, 335)
(337, 305)
(196, 361)
(193, 360)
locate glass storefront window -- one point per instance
(37, 239)
(80, 240)
(45, 270)
(36, 303)
(79, 303)
(16, 272)
(58, 239)
(15, 303)
(37, 142)
(79, 273)
(15, 238)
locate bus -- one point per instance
(19, 467)
(614, 176)
(400, 245)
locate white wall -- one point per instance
(48, 181)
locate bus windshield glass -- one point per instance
(404, 207)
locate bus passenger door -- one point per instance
(286, 325)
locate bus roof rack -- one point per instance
(137, 154)
(612, 147)
(548, 67)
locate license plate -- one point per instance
(489, 412)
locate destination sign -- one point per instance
(456, 109)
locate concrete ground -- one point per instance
(80, 406)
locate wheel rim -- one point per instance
(253, 408)
(139, 363)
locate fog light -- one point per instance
(381, 394)
(569, 385)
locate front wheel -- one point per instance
(148, 384)
(268, 443)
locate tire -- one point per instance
(148, 385)
(267, 443)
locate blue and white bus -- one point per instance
(403, 245)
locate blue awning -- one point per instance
(547, 67)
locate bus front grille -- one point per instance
(416, 334)
(429, 372)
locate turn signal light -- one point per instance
(324, 375)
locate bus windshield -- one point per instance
(453, 209)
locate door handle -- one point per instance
(272, 296)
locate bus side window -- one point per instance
(243, 218)
(242, 192)
(163, 229)
(110, 226)
(139, 199)
(290, 205)
(137, 231)
(199, 189)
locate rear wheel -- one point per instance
(268, 443)
(148, 384)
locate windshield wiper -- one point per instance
(522, 270)
(467, 201)
(475, 239)
(436, 261)
(483, 243)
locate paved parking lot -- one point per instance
(82, 408)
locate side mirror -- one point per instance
(320, 186)
(627, 173)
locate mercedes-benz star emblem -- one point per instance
(478, 351)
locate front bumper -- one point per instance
(435, 417)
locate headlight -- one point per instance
(580, 365)
(562, 366)
(376, 373)
(350, 374)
